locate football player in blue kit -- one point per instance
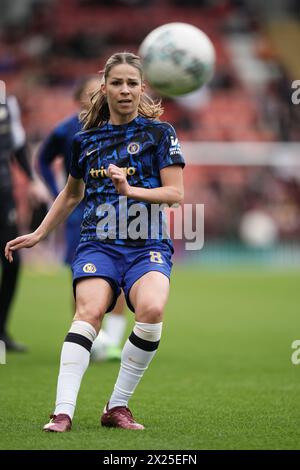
(59, 145)
(125, 160)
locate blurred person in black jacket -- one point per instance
(12, 144)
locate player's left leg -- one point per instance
(148, 296)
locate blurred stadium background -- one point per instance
(240, 136)
(46, 45)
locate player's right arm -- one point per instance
(63, 205)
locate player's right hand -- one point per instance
(25, 241)
(119, 179)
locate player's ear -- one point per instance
(103, 87)
(143, 86)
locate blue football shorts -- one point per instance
(121, 266)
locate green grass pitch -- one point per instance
(222, 378)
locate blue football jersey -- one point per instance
(141, 148)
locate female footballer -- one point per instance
(125, 162)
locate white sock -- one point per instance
(75, 357)
(114, 326)
(137, 354)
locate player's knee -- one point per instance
(150, 313)
(90, 314)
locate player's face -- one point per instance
(123, 90)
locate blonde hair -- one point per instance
(98, 112)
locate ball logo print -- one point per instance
(178, 58)
(89, 268)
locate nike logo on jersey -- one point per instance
(89, 152)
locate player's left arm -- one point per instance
(171, 191)
(62, 207)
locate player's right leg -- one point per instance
(94, 295)
(107, 345)
(146, 285)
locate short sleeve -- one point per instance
(75, 168)
(169, 150)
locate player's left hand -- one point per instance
(119, 179)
